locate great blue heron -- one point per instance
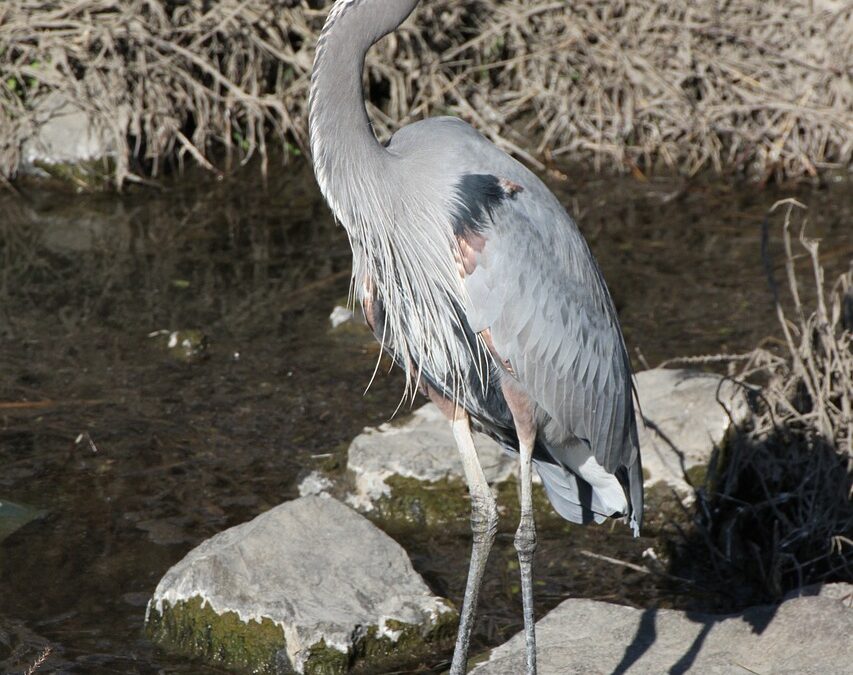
(473, 276)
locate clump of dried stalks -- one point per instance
(777, 513)
(760, 87)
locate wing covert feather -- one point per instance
(539, 291)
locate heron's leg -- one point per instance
(484, 524)
(525, 545)
(525, 535)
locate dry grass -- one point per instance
(758, 87)
(776, 513)
(39, 662)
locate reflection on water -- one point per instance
(182, 450)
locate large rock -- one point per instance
(420, 449)
(309, 586)
(687, 413)
(411, 470)
(803, 636)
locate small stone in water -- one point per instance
(340, 315)
(185, 345)
(315, 483)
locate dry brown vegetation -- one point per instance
(760, 87)
(776, 513)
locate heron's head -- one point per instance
(367, 21)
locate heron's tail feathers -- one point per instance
(572, 497)
(635, 494)
(578, 501)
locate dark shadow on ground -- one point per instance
(647, 633)
(643, 640)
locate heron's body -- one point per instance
(479, 283)
(536, 288)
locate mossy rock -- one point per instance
(416, 504)
(192, 628)
(413, 503)
(376, 653)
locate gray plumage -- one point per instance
(475, 279)
(539, 290)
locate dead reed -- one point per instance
(776, 512)
(764, 88)
(39, 662)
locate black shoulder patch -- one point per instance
(477, 195)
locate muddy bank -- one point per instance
(755, 88)
(181, 450)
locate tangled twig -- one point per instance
(763, 88)
(776, 512)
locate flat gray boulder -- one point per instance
(421, 448)
(310, 586)
(688, 413)
(803, 636)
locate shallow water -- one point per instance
(136, 456)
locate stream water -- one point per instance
(133, 456)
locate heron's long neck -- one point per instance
(348, 160)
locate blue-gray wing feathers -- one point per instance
(537, 289)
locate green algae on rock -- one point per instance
(414, 504)
(192, 627)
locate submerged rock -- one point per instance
(807, 635)
(687, 414)
(22, 651)
(15, 516)
(309, 586)
(189, 346)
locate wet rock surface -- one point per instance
(309, 586)
(807, 635)
(686, 413)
